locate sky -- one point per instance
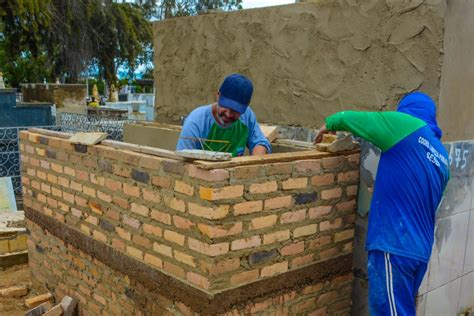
(248, 4)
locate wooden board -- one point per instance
(87, 138)
(270, 132)
(197, 154)
(48, 132)
(295, 143)
(143, 149)
(263, 159)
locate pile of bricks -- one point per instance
(126, 232)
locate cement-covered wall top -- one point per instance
(306, 60)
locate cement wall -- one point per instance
(456, 107)
(306, 60)
(63, 95)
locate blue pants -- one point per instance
(393, 283)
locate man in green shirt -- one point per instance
(229, 125)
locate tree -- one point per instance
(62, 38)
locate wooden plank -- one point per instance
(47, 132)
(143, 149)
(270, 132)
(39, 310)
(295, 143)
(263, 159)
(55, 311)
(37, 300)
(87, 138)
(197, 154)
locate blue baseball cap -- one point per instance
(235, 93)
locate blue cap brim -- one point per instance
(233, 105)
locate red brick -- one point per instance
(45, 164)
(311, 289)
(213, 175)
(131, 190)
(182, 223)
(89, 191)
(162, 249)
(266, 187)
(348, 206)
(175, 204)
(99, 236)
(248, 207)
(328, 253)
(124, 234)
(64, 182)
(214, 194)
(294, 183)
(350, 176)
(82, 175)
(354, 160)
(121, 171)
(305, 230)
(327, 297)
(344, 235)
(184, 258)
(174, 270)
(263, 222)
(134, 252)
(104, 197)
(198, 280)
(250, 242)
(80, 201)
(95, 207)
(151, 196)
(132, 222)
(292, 249)
(326, 225)
(244, 277)
(76, 186)
(279, 168)
(220, 267)
(276, 237)
(333, 162)
(351, 190)
(154, 261)
(149, 162)
(75, 212)
(210, 250)
(294, 216)
(319, 211)
(184, 188)
(208, 212)
(141, 241)
(97, 180)
(308, 165)
(319, 242)
(213, 231)
(278, 202)
(174, 237)
(33, 161)
(325, 179)
(92, 220)
(331, 194)
(41, 174)
(139, 209)
(120, 202)
(248, 172)
(161, 217)
(276, 268)
(69, 171)
(52, 178)
(302, 261)
(161, 181)
(46, 188)
(153, 230)
(113, 185)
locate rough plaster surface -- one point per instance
(306, 60)
(456, 107)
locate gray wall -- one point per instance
(307, 60)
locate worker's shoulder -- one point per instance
(200, 112)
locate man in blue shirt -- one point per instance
(229, 125)
(411, 178)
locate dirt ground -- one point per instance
(17, 275)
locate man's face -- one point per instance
(226, 116)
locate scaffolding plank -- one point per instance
(143, 149)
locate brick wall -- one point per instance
(209, 228)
